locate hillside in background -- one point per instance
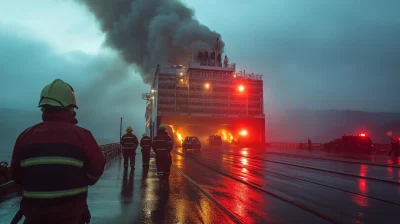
(13, 122)
(325, 125)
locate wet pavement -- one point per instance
(252, 185)
(126, 196)
(345, 192)
(248, 204)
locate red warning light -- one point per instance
(363, 135)
(241, 88)
(243, 132)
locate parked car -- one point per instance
(191, 142)
(214, 141)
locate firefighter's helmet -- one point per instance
(58, 94)
(144, 134)
(162, 126)
(129, 129)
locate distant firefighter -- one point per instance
(129, 144)
(145, 143)
(162, 146)
(309, 144)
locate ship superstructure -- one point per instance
(207, 94)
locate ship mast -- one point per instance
(217, 47)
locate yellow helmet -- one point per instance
(58, 94)
(144, 134)
(162, 126)
(129, 128)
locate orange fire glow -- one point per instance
(179, 135)
(226, 135)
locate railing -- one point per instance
(318, 146)
(294, 145)
(110, 151)
(198, 64)
(249, 76)
(206, 113)
(7, 189)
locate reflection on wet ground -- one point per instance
(134, 196)
(256, 186)
(347, 192)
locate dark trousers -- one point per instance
(163, 163)
(85, 218)
(129, 154)
(146, 156)
(65, 221)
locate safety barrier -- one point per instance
(283, 145)
(9, 189)
(294, 145)
(317, 146)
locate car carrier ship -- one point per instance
(206, 96)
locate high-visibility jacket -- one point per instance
(129, 141)
(145, 142)
(55, 161)
(162, 141)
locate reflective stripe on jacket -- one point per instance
(162, 141)
(129, 141)
(145, 142)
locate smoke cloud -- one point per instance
(151, 32)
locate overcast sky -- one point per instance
(321, 54)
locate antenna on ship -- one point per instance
(217, 47)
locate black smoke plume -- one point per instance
(151, 32)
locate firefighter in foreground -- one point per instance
(162, 146)
(145, 143)
(129, 144)
(55, 161)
